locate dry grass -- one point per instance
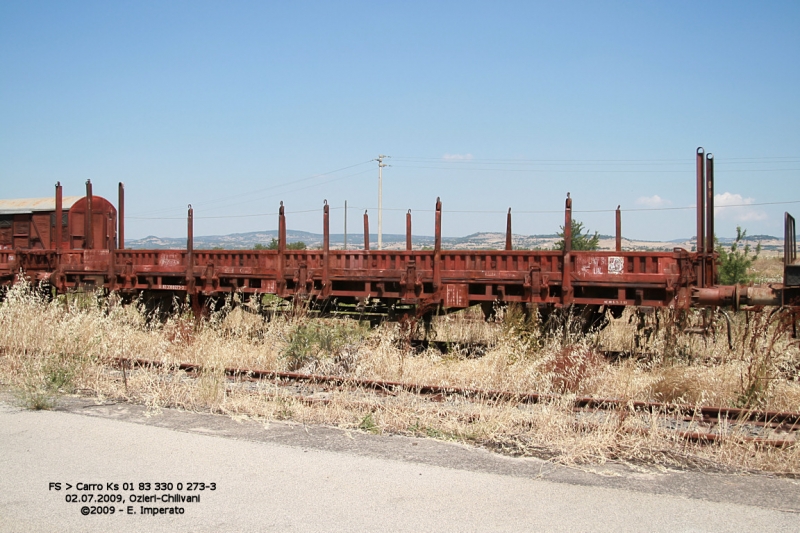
(70, 345)
(768, 268)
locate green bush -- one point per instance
(273, 245)
(47, 377)
(580, 240)
(368, 424)
(317, 339)
(735, 262)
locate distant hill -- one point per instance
(391, 241)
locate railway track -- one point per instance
(701, 424)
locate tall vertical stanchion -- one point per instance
(345, 226)
(59, 217)
(326, 246)
(281, 229)
(701, 211)
(620, 292)
(87, 223)
(281, 288)
(121, 216)
(193, 298)
(190, 232)
(709, 249)
(437, 249)
(110, 245)
(408, 230)
(508, 230)
(566, 281)
(366, 231)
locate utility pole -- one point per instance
(345, 224)
(381, 164)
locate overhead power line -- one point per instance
(587, 171)
(470, 159)
(467, 211)
(468, 164)
(251, 193)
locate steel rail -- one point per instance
(709, 413)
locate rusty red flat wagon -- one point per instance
(87, 251)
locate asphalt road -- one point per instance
(287, 477)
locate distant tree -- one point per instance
(580, 240)
(734, 263)
(273, 245)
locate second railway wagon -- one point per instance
(73, 223)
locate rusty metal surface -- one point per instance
(420, 280)
(408, 230)
(101, 232)
(701, 214)
(31, 205)
(760, 296)
(366, 231)
(59, 214)
(710, 260)
(508, 230)
(121, 213)
(450, 278)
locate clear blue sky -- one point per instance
(229, 105)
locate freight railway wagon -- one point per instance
(30, 223)
(89, 253)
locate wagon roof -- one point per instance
(31, 205)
